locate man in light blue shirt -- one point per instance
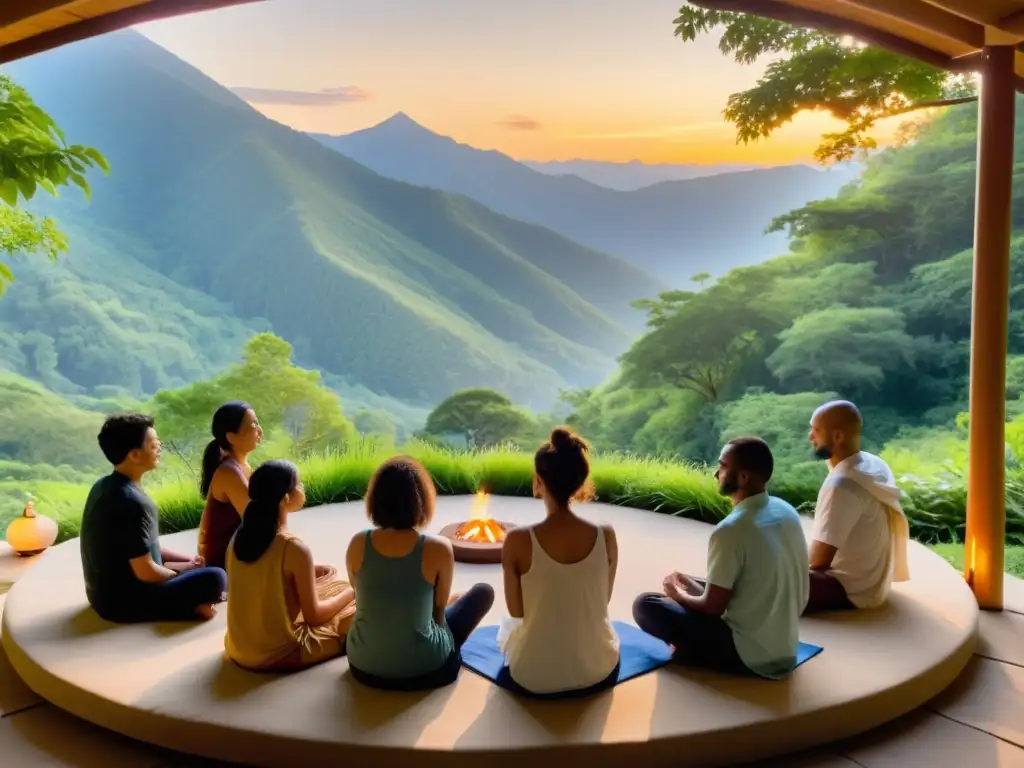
(745, 617)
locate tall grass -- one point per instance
(656, 485)
(935, 506)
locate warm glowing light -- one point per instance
(481, 527)
(970, 550)
(30, 534)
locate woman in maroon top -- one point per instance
(225, 483)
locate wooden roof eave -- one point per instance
(827, 22)
(92, 26)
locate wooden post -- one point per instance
(986, 503)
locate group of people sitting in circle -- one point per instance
(395, 617)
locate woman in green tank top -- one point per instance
(405, 635)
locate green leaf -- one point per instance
(97, 158)
(80, 181)
(9, 192)
(34, 154)
(27, 185)
(811, 70)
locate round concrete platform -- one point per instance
(170, 684)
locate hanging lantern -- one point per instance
(31, 534)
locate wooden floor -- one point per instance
(978, 722)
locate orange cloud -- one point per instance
(326, 97)
(520, 123)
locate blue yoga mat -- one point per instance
(806, 652)
(639, 653)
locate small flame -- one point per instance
(480, 506)
(481, 526)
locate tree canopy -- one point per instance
(842, 348)
(288, 400)
(481, 417)
(706, 348)
(857, 84)
(34, 154)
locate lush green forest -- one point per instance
(872, 303)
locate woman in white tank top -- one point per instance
(558, 578)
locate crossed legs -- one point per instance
(698, 639)
(826, 594)
(186, 597)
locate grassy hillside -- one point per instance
(103, 322)
(56, 431)
(674, 229)
(47, 448)
(410, 293)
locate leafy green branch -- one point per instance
(34, 154)
(814, 70)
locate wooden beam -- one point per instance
(990, 305)
(99, 25)
(975, 10)
(1014, 23)
(925, 16)
(11, 13)
(804, 17)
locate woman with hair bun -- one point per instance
(225, 483)
(558, 578)
(284, 612)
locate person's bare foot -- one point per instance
(206, 612)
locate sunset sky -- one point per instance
(537, 79)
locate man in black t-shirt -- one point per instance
(128, 576)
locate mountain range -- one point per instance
(632, 175)
(673, 229)
(217, 221)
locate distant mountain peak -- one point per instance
(671, 221)
(400, 121)
(400, 118)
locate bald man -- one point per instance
(859, 543)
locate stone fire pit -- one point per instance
(479, 539)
